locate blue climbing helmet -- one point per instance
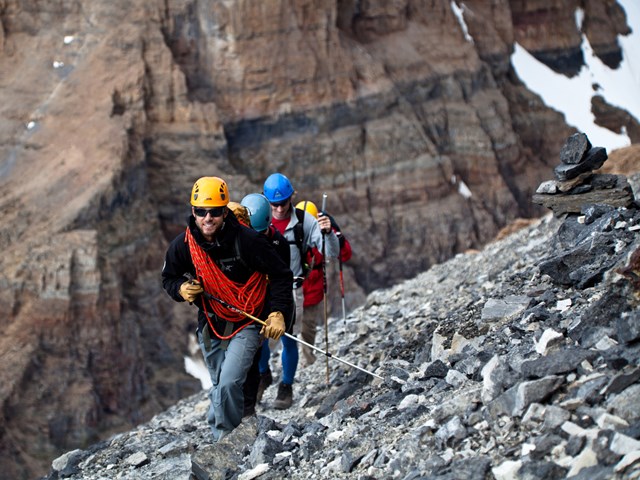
(277, 188)
(259, 211)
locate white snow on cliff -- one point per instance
(572, 96)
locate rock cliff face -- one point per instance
(110, 111)
(548, 30)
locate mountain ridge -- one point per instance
(492, 369)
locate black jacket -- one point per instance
(279, 243)
(238, 260)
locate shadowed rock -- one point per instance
(592, 160)
(574, 149)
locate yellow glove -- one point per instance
(274, 327)
(190, 290)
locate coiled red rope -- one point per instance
(248, 297)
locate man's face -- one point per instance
(282, 210)
(209, 220)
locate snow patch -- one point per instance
(572, 96)
(464, 190)
(458, 12)
(197, 370)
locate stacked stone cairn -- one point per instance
(576, 184)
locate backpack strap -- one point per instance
(298, 231)
(334, 224)
(238, 255)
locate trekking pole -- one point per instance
(324, 286)
(344, 308)
(292, 337)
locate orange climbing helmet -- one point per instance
(210, 192)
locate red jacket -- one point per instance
(312, 288)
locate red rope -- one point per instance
(248, 297)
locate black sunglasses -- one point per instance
(280, 204)
(214, 212)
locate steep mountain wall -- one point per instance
(110, 111)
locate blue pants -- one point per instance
(289, 359)
(228, 370)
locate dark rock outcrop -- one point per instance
(615, 119)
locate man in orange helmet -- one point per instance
(216, 261)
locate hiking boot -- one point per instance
(284, 398)
(265, 380)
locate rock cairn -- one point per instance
(577, 185)
(521, 361)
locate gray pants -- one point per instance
(312, 317)
(228, 370)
